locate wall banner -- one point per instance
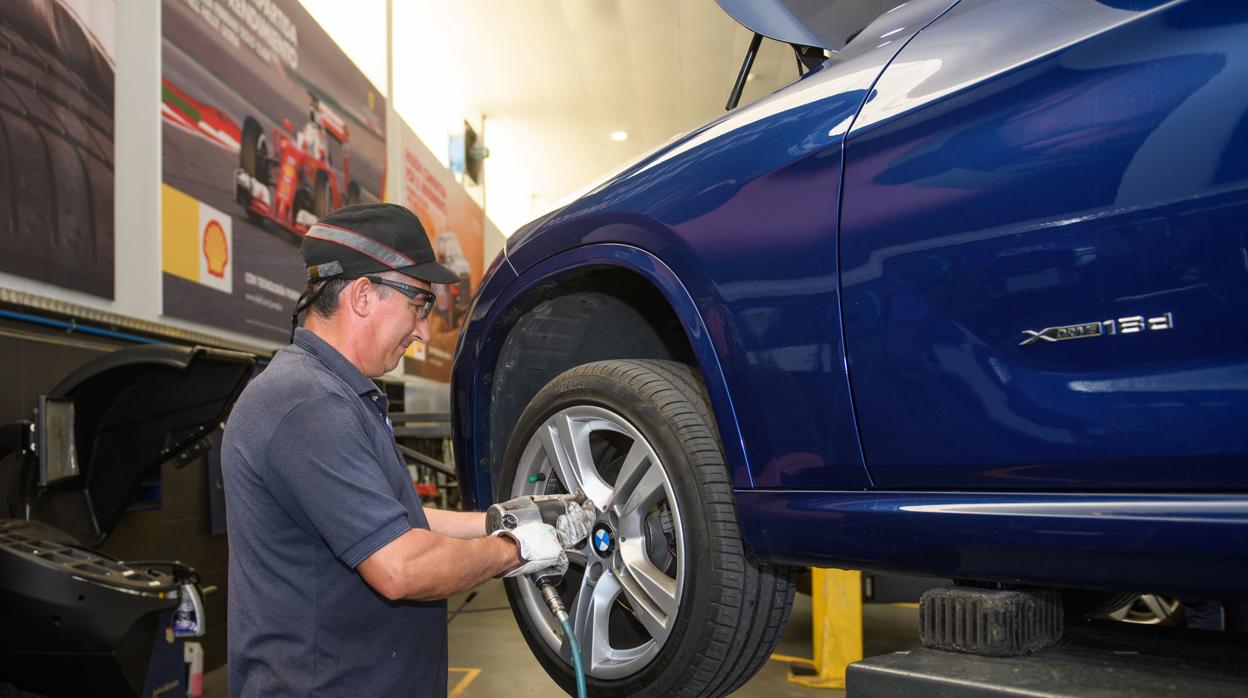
(267, 125)
(456, 227)
(56, 142)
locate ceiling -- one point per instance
(549, 81)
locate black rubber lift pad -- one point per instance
(1092, 659)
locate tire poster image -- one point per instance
(266, 126)
(456, 228)
(56, 142)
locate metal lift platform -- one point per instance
(1095, 658)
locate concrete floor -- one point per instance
(488, 657)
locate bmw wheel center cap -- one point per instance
(603, 540)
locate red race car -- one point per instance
(289, 179)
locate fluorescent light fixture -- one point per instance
(618, 136)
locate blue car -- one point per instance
(965, 300)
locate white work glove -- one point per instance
(574, 526)
(539, 547)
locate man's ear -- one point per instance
(359, 297)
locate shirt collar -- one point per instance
(337, 363)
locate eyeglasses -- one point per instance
(420, 307)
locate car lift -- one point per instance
(1091, 658)
(836, 619)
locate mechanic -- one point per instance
(338, 576)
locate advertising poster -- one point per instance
(456, 227)
(266, 126)
(56, 142)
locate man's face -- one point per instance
(398, 323)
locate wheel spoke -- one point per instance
(647, 490)
(590, 615)
(637, 463)
(1156, 606)
(559, 459)
(650, 592)
(566, 442)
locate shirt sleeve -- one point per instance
(322, 469)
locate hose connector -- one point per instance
(553, 600)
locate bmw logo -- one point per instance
(604, 544)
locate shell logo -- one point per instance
(216, 249)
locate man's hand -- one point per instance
(574, 526)
(572, 519)
(539, 548)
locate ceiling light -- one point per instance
(619, 136)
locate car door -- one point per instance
(1044, 250)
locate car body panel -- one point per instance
(1102, 183)
(744, 212)
(1173, 544)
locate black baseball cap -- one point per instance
(365, 239)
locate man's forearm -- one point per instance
(456, 524)
(422, 565)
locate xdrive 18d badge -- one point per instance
(1123, 325)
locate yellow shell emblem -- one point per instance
(216, 249)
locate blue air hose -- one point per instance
(553, 601)
(576, 658)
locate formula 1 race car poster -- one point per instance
(267, 126)
(56, 151)
(456, 227)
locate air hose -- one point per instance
(555, 603)
(576, 658)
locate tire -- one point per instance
(715, 614)
(303, 202)
(1128, 607)
(1080, 603)
(253, 152)
(322, 195)
(56, 149)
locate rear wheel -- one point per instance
(322, 195)
(662, 597)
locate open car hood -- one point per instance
(825, 24)
(133, 409)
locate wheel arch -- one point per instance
(591, 303)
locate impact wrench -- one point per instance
(543, 509)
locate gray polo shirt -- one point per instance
(314, 485)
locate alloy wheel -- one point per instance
(624, 584)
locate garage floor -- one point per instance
(489, 657)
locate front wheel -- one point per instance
(662, 597)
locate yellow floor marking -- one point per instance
(902, 604)
(787, 658)
(470, 674)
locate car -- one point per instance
(288, 178)
(962, 301)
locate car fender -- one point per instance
(480, 343)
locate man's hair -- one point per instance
(326, 304)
